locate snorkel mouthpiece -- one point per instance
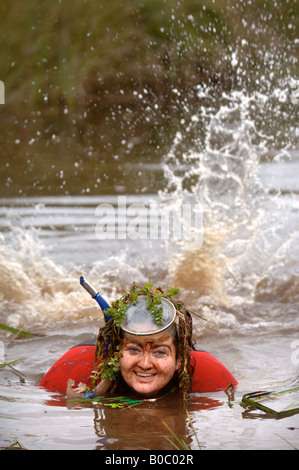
(96, 296)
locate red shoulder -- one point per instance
(209, 375)
(76, 364)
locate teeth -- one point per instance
(144, 375)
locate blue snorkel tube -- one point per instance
(104, 306)
(96, 296)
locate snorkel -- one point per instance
(96, 296)
(103, 385)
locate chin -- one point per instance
(146, 391)
(145, 386)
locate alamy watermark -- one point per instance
(2, 92)
(152, 221)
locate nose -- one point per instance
(145, 361)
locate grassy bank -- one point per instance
(75, 52)
(92, 86)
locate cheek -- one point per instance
(167, 368)
(126, 362)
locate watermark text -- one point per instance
(151, 221)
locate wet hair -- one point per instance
(108, 351)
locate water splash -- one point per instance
(40, 288)
(249, 233)
(36, 292)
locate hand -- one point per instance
(77, 392)
(74, 392)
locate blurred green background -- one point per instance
(95, 91)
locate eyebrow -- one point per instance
(155, 345)
(163, 345)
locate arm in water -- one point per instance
(80, 391)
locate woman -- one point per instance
(146, 347)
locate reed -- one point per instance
(15, 445)
(18, 332)
(178, 444)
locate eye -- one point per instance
(159, 353)
(133, 350)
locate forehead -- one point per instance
(149, 339)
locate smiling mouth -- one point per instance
(144, 375)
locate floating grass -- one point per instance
(266, 401)
(5, 364)
(18, 332)
(9, 365)
(16, 444)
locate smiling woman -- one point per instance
(145, 347)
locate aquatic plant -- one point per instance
(15, 445)
(178, 444)
(18, 332)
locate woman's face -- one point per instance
(148, 363)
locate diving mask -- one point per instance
(139, 320)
